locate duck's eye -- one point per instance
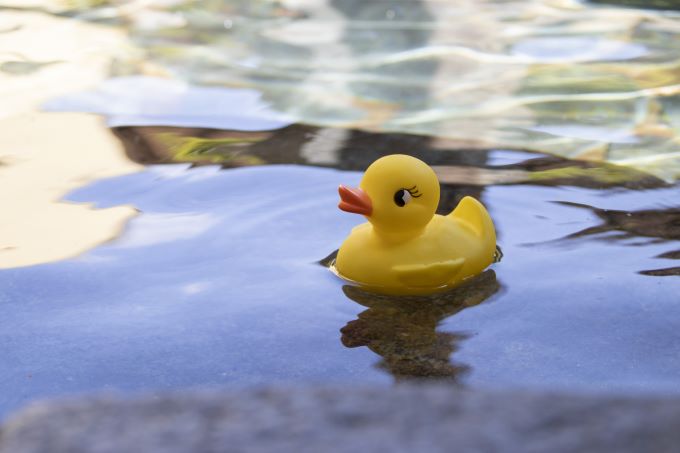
(401, 197)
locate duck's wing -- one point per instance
(428, 275)
(474, 215)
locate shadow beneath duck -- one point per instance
(403, 329)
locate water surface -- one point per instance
(216, 280)
(576, 79)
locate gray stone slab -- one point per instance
(405, 418)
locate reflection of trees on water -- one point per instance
(344, 149)
(645, 4)
(403, 329)
(659, 225)
(299, 144)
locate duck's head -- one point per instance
(398, 194)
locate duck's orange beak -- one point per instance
(354, 200)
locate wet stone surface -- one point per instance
(339, 419)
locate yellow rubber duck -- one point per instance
(405, 248)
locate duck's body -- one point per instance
(449, 250)
(410, 255)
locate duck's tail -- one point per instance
(475, 215)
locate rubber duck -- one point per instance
(405, 248)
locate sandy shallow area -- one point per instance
(44, 156)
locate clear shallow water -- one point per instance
(572, 78)
(217, 282)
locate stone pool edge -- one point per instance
(432, 418)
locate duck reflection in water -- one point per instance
(403, 329)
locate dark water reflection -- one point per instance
(658, 225)
(458, 162)
(646, 4)
(402, 330)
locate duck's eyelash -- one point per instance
(414, 192)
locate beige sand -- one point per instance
(43, 156)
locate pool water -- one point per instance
(230, 204)
(217, 282)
